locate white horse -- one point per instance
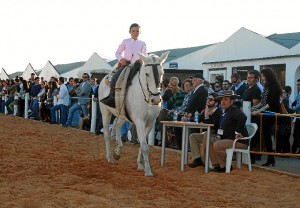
(141, 104)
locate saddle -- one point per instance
(124, 80)
(120, 91)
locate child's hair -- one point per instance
(134, 25)
(173, 85)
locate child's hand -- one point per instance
(123, 62)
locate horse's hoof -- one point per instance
(140, 167)
(117, 157)
(148, 174)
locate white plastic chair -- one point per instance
(251, 128)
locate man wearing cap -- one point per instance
(198, 97)
(210, 115)
(232, 126)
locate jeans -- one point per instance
(84, 109)
(76, 117)
(74, 109)
(35, 109)
(63, 112)
(2, 106)
(9, 101)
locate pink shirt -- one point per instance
(131, 48)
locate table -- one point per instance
(184, 151)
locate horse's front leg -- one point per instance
(139, 159)
(106, 120)
(117, 153)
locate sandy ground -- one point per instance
(43, 165)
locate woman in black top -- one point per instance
(270, 102)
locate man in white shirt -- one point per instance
(62, 103)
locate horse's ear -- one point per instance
(164, 56)
(142, 57)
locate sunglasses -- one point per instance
(84, 77)
(210, 99)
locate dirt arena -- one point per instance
(43, 165)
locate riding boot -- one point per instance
(270, 161)
(110, 99)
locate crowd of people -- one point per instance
(210, 103)
(72, 99)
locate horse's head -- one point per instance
(153, 70)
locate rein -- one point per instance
(156, 78)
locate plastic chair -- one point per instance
(251, 128)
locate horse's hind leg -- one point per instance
(117, 153)
(139, 160)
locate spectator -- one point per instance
(62, 103)
(260, 86)
(164, 86)
(83, 92)
(12, 90)
(23, 89)
(180, 108)
(296, 135)
(226, 85)
(271, 102)
(284, 127)
(238, 87)
(94, 85)
(34, 103)
(171, 90)
(218, 88)
(72, 85)
(288, 91)
(42, 98)
(253, 95)
(3, 94)
(208, 87)
(198, 98)
(232, 126)
(210, 115)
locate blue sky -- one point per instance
(65, 31)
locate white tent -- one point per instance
(73, 73)
(3, 74)
(95, 64)
(27, 73)
(48, 71)
(239, 47)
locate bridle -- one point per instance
(156, 79)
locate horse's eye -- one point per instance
(147, 74)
